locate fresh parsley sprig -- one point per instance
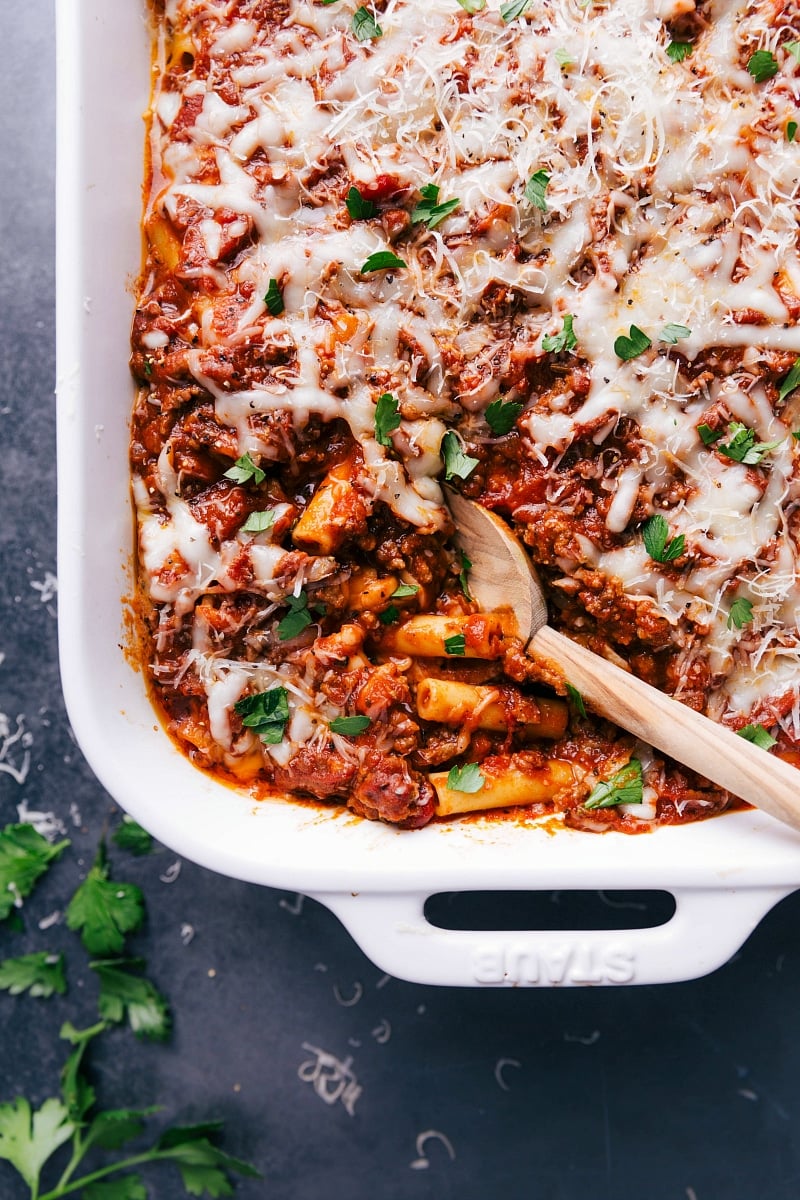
(359, 207)
(624, 787)
(743, 447)
(244, 469)
(536, 189)
(387, 418)
(740, 613)
(758, 735)
(24, 857)
(565, 339)
(103, 910)
(266, 713)
(364, 26)
(762, 65)
(501, 416)
(633, 345)
(38, 974)
(457, 464)
(468, 778)
(657, 542)
(429, 209)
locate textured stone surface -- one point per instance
(686, 1092)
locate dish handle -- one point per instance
(707, 928)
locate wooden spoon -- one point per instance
(503, 577)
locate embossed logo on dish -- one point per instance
(571, 962)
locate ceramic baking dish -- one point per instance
(725, 873)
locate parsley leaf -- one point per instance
(389, 615)
(743, 446)
(577, 699)
(350, 726)
(124, 994)
(563, 58)
(758, 735)
(793, 48)
(203, 1167)
(457, 464)
(654, 532)
(259, 522)
(514, 9)
(131, 836)
(456, 645)
(565, 340)
(673, 333)
(624, 787)
(358, 206)
(297, 619)
(501, 416)
(463, 575)
(124, 1187)
(740, 613)
(791, 130)
(27, 1139)
(39, 974)
(762, 65)
(382, 260)
(429, 210)
(364, 25)
(536, 188)
(791, 381)
(24, 857)
(274, 298)
(404, 590)
(632, 346)
(678, 51)
(387, 418)
(105, 911)
(77, 1093)
(708, 435)
(465, 779)
(472, 6)
(244, 469)
(266, 713)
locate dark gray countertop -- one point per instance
(681, 1092)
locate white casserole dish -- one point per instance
(725, 873)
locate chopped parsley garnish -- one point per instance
(389, 615)
(130, 836)
(404, 590)
(457, 464)
(565, 340)
(657, 542)
(673, 333)
(563, 58)
(456, 645)
(740, 613)
(148, 362)
(104, 910)
(791, 130)
(577, 699)
(758, 735)
(472, 6)
(793, 48)
(274, 299)
(259, 522)
(266, 713)
(349, 726)
(743, 447)
(24, 856)
(387, 418)
(708, 435)
(535, 189)
(624, 787)
(429, 209)
(123, 994)
(514, 9)
(465, 779)
(501, 416)
(364, 25)
(633, 345)
(762, 65)
(678, 51)
(463, 575)
(38, 974)
(791, 381)
(358, 206)
(244, 469)
(297, 619)
(382, 260)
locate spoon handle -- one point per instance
(708, 748)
